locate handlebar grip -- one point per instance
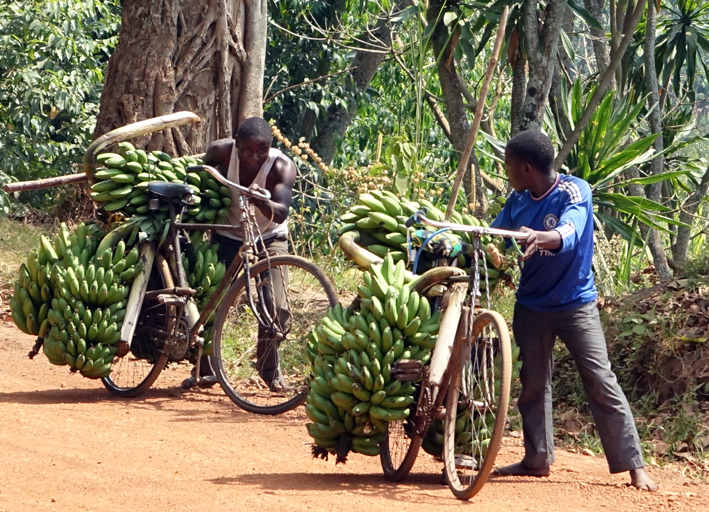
(414, 218)
(194, 168)
(262, 191)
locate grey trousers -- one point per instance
(580, 330)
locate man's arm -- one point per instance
(278, 206)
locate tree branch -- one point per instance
(603, 84)
(307, 82)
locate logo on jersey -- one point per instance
(550, 221)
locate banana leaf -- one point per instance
(647, 180)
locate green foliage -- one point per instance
(52, 57)
(297, 56)
(659, 369)
(682, 45)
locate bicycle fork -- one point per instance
(444, 363)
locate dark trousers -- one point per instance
(580, 330)
(271, 297)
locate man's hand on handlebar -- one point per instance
(539, 240)
(255, 200)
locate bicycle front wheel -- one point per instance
(265, 370)
(399, 450)
(134, 373)
(476, 406)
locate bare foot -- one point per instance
(641, 480)
(519, 469)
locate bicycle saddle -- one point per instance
(171, 190)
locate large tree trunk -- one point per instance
(206, 56)
(689, 208)
(365, 65)
(541, 56)
(598, 37)
(443, 46)
(561, 70)
(655, 120)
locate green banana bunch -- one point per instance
(81, 280)
(30, 302)
(204, 273)
(121, 179)
(379, 216)
(213, 201)
(352, 351)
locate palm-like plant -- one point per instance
(683, 42)
(605, 150)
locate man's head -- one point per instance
(527, 155)
(254, 139)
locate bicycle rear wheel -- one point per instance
(476, 406)
(261, 372)
(134, 373)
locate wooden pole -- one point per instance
(463, 164)
(127, 132)
(22, 186)
(133, 130)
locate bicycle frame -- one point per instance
(181, 292)
(457, 325)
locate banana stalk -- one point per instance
(361, 256)
(137, 293)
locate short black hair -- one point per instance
(255, 128)
(532, 147)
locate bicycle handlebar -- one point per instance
(258, 194)
(420, 216)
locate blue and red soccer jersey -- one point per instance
(560, 279)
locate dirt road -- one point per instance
(67, 445)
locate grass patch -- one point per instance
(17, 239)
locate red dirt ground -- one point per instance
(67, 445)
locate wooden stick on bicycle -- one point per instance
(133, 130)
(127, 132)
(23, 186)
(463, 164)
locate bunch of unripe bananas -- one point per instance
(354, 394)
(121, 184)
(72, 294)
(204, 272)
(379, 218)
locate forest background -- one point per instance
(383, 94)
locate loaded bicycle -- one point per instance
(467, 383)
(118, 302)
(247, 319)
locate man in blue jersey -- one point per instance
(557, 297)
